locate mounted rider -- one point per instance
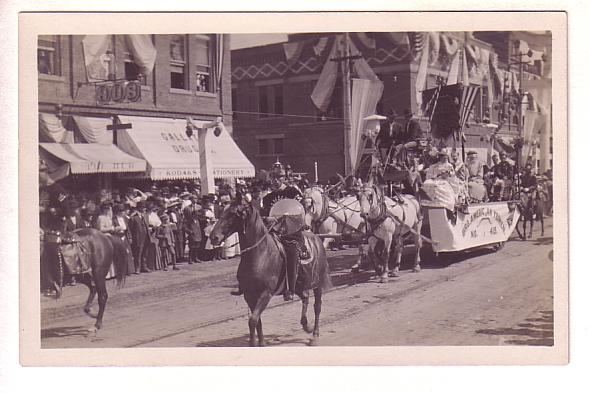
(283, 210)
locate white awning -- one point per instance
(82, 158)
(170, 154)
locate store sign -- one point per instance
(120, 91)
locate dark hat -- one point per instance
(503, 154)
(118, 208)
(471, 152)
(141, 205)
(73, 204)
(164, 217)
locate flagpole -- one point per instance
(346, 105)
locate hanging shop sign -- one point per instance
(118, 91)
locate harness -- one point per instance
(326, 213)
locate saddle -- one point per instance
(308, 275)
(75, 254)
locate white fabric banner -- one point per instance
(95, 57)
(51, 129)
(365, 95)
(143, 51)
(94, 130)
(362, 68)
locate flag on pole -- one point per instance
(468, 94)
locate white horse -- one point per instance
(326, 216)
(390, 222)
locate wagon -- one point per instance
(478, 225)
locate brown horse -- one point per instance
(101, 250)
(532, 209)
(261, 273)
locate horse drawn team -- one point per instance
(281, 255)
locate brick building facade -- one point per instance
(275, 118)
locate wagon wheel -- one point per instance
(498, 246)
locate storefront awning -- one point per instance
(83, 158)
(170, 154)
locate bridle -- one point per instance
(241, 212)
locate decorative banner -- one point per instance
(319, 47)
(51, 129)
(421, 45)
(365, 40)
(143, 51)
(362, 68)
(322, 92)
(99, 64)
(365, 95)
(293, 51)
(487, 223)
(434, 38)
(449, 45)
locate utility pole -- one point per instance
(346, 60)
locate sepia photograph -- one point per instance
(336, 187)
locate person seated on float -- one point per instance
(292, 239)
(458, 166)
(503, 172)
(407, 136)
(477, 190)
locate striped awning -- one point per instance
(82, 158)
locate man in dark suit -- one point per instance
(139, 229)
(73, 218)
(192, 230)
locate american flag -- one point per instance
(468, 94)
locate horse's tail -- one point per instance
(120, 255)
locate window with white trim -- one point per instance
(48, 61)
(178, 62)
(203, 64)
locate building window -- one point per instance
(270, 100)
(271, 146)
(178, 63)
(132, 70)
(203, 62)
(48, 55)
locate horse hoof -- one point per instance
(314, 342)
(93, 329)
(383, 280)
(90, 313)
(394, 274)
(417, 269)
(261, 343)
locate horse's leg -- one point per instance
(254, 319)
(532, 222)
(397, 255)
(304, 304)
(101, 289)
(418, 244)
(317, 308)
(86, 279)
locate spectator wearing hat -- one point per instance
(474, 167)
(73, 218)
(139, 230)
(177, 218)
(192, 229)
(121, 230)
(154, 258)
(165, 236)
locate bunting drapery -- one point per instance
(100, 65)
(94, 130)
(322, 92)
(421, 45)
(293, 51)
(143, 51)
(51, 129)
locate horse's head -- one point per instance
(312, 203)
(370, 199)
(232, 219)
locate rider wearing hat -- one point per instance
(293, 242)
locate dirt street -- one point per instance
(481, 298)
